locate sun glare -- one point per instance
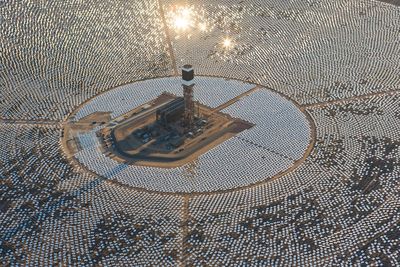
(227, 43)
(181, 23)
(183, 18)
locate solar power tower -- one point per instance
(188, 84)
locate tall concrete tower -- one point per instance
(188, 84)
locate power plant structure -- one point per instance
(188, 84)
(171, 112)
(181, 108)
(169, 130)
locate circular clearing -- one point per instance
(276, 143)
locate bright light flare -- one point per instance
(227, 43)
(181, 23)
(182, 19)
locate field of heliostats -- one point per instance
(315, 181)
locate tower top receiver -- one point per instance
(187, 75)
(187, 67)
